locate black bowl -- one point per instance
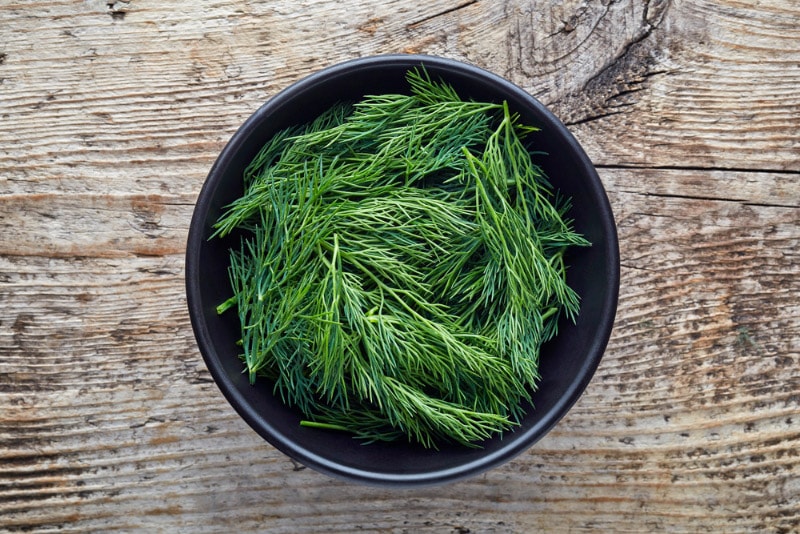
(567, 362)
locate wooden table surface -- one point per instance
(112, 113)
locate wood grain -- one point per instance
(111, 114)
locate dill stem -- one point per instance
(225, 306)
(326, 426)
(548, 313)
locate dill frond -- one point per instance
(401, 266)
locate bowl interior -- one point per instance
(567, 362)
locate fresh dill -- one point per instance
(401, 265)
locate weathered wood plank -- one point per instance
(703, 93)
(111, 114)
(693, 409)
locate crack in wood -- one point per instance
(630, 55)
(150, 420)
(591, 118)
(297, 466)
(696, 168)
(614, 86)
(706, 198)
(117, 13)
(770, 205)
(793, 202)
(423, 20)
(702, 198)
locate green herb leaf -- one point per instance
(401, 265)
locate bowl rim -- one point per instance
(203, 336)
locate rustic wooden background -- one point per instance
(112, 112)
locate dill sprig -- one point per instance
(401, 264)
